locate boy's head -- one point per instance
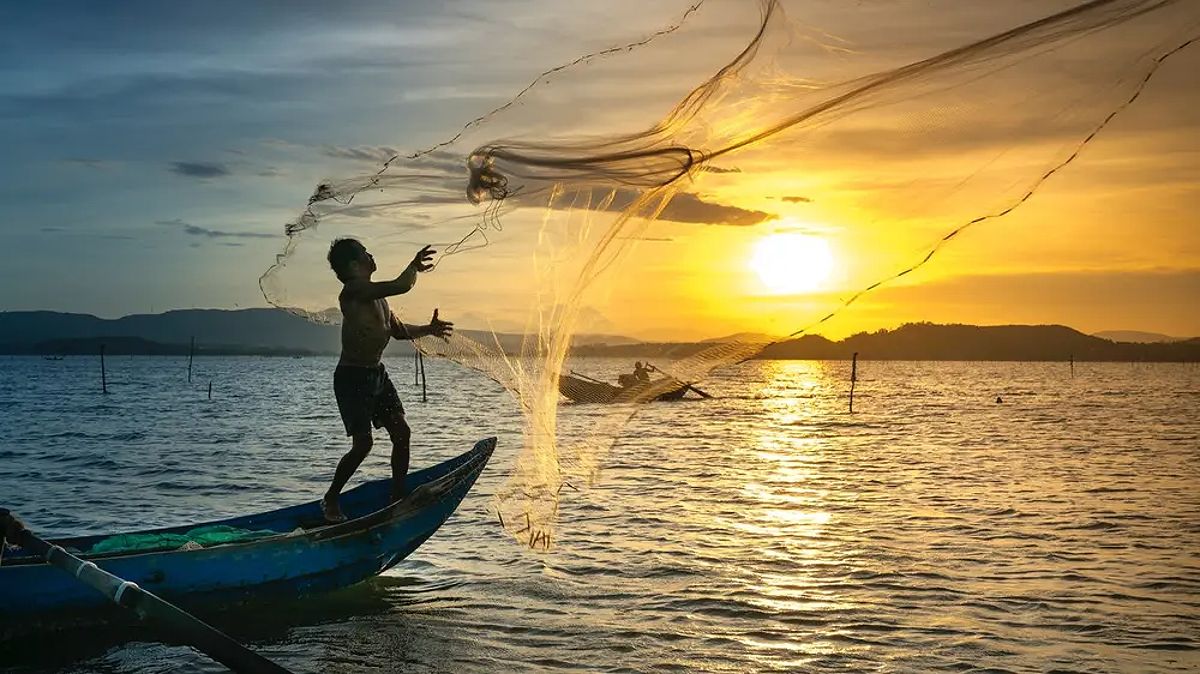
(349, 259)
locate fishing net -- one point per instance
(200, 537)
(753, 170)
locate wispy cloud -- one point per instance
(690, 208)
(373, 153)
(796, 200)
(192, 169)
(451, 163)
(195, 230)
(91, 163)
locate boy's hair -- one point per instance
(341, 253)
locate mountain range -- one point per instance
(276, 332)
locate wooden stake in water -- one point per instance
(416, 365)
(421, 360)
(210, 389)
(103, 373)
(191, 350)
(853, 379)
(1072, 366)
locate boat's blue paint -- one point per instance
(304, 556)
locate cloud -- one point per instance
(198, 169)
(452, 164)
(372, 153)
(216, 233)
(690, 208)
(797, 200)
(194, 230)
(88, 162)
(718, 169)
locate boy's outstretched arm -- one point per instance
(436, 328)
(373, 290)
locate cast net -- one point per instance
(697, 182)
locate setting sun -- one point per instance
(792, 263)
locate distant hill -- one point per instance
(126, 346)
(1136, 337)
(262, 331)
(276, 332)
(217, 332)
(759, 337)
(269, 330)
(927, 341)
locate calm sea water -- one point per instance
(766, 530)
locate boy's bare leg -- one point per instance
(349, 463)
(401, 439)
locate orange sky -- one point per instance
(1110, 242)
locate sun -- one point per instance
(792, 263)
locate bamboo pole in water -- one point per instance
(103, 373)
(853, 379)
(421, 360)
(191, 350)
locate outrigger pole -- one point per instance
(146, 605)
(702, 394)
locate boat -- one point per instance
(294, 552)
(587, 390)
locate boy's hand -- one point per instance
(423, 261)
(438, 327)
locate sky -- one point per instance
(154, 152)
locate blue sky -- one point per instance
(150, 144)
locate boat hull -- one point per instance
(303, 556)
(584, 391)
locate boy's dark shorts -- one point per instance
(365, 396)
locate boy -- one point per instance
(365, 395)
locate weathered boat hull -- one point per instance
(584, 391)
(304, 555)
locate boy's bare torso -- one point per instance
(366, 329)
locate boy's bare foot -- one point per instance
(332, 510)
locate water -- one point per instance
(766, 530)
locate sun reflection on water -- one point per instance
(787, 502)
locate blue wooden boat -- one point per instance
(296, 553)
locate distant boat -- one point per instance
(52, 357)
(583, 389)
(296, 554)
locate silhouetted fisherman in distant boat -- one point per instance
(641, 372)
(365, 395)
(641, 375)
(999, 399)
